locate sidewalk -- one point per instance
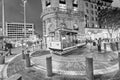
(105, 61)
(3, 67)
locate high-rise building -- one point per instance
(63, 21)
(92, 8)
(16, 30)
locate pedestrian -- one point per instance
(99, 44)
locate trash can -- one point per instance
(94, 43)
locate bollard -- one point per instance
(28, 64)
(23, 54)
(49, 66)
(105, 45)
(10, 51)
(2, 59)
(119, 59)
(117, 46)
(99, 47)
(89, 68)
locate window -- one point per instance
(87, 10)
(91, 5)
(96, 18)
(95, 6)
(92, 12)
(75, 3)
(93, 25)
(62, 1)
(86, 4)
(48, 4)
(92, 18)
(99, 8)
(96, 13)
(62, 5)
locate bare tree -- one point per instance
(109, 18)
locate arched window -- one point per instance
(75, 5)
(48, 3)
(62, 1)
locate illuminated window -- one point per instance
(48, 3)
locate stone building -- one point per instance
(91, 10)
(63, 21)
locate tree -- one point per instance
(110, 19)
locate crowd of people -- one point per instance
(94, 43)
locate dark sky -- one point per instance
(14, 12)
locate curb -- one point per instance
(4, 71)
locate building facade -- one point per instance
(16, 30)
(63, 21)
(92, 8)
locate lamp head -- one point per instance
(24, 1)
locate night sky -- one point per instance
(14, 12)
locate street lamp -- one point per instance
(24, 2)
(3, 22)
(3, 17)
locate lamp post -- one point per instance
(24, 2)
(3, 17)
(3, 22)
